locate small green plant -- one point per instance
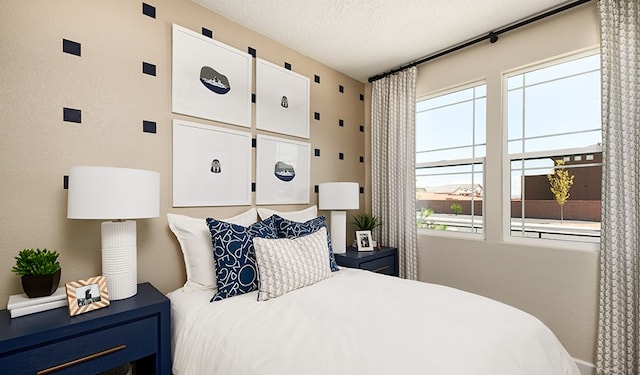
(36, 262)
(456, 209)
(425, 222)
(366, 221)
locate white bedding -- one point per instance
(359, 322)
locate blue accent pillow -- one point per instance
(293, 229)
(235, 256)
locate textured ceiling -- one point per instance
(362, 38)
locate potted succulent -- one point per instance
(40, 271)
(366, 222)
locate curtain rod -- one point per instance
(492, 36)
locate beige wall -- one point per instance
(37, 148)
(558, 286)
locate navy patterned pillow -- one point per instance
(293, 229)
(235, 256)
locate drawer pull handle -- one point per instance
(80, 360)
(381, 269)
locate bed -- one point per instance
(357, 322)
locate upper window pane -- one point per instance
(557, 107)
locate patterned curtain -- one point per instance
(618, 351)
(393, 165)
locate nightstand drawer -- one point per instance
(384, 265)
(92, 352)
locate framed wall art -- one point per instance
(282, 171)
(87, 295)
(282, 100)
(210, 79)
(211, 165)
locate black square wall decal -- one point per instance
(341, 156)
(361, 128)
(148, 10)
(148, 68)
(253, 98)
(206, 32)
(149, 126)
(72, 115)
(361, 159)
(362, 97)
(65, 182)
(252, 51)
(340, 122)
(71, 47)
(341, 88)
(254, 142)
(287, 66)
(316, 152)
(361, 190)
(253, 187)
(316, 78)
(316, 189)
(316, 115)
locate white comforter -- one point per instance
(358, 322)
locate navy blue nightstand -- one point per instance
(136, 329)
(383, 261)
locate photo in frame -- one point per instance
(87, 295)
(363, 238)
(210, 79)
(282, 100)
(211, 165)
(282, 171)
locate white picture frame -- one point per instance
(211, 165)
(364, 240)
(282, 170)
(210, 79)
(282, 100)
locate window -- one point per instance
(450, 151)
(554, 124)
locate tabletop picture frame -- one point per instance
(365, 243)
(87, 295)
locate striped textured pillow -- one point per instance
(286, 264)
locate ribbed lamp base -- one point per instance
(119, 259)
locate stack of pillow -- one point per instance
(283, 252)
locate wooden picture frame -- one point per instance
(87, 295)
(363, 238)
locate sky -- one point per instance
(563, 98)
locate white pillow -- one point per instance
(299, 216)
(195, 242)
(286, 264)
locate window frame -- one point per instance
(459, 162)
(508, 158)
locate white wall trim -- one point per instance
(585, 368)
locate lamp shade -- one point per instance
(113, 193)
(339, 196)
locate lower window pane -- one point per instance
(450, 198)
(569, 215)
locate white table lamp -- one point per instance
(339, 197)
(115, 194)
